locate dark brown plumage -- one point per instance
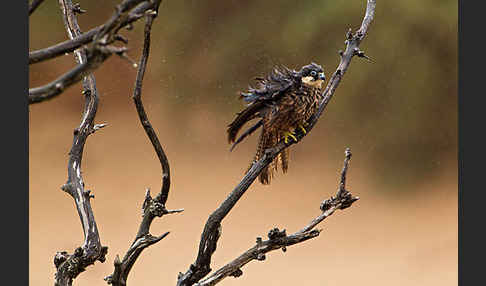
(283, 102)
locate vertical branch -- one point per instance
(69, 266)
(152, 207)
(137, 100)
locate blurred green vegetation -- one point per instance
(399, 112)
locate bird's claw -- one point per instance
(303, 129)
(288, 134)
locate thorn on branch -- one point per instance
(361, 54)
(130, 60)
(97, 127)
(174, 211)
(77, 9)
(348, 201)
(151, 12)
(284, 249)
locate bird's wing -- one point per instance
(247, 114)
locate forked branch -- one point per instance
(99, 47)
(212, 229)
(278, 239)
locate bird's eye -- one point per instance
(313, 73)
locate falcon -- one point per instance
(283, 101)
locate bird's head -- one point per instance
(312, 75)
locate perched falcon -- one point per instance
(283, 102)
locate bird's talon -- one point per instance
(287, 135)
(303, 129)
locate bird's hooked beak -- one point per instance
(322, 76)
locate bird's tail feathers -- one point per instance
(242, 117)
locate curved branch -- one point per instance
(137, 100)
(152, 207)
(212, 229)
(95, 57)
(69, 266)
(280, 240)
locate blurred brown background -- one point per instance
(398, 115)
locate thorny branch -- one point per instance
(70, 266)
(152, 207)
(212, 229)
(279, 239)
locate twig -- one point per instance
(212, 229)
(70, 266)
(279, 239)
(34, 6)
(152, 207)
(84, 39)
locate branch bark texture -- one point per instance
(70, 266)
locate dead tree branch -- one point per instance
(152, 207)
(212, 229)
(279, 239)
(99, 40)
(70, 266)
(88, 37)
(95, 57)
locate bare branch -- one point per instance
(152, 207)
(137, 100)
(95, 57)
(84, 39)
(280, 240)
(212, 229)
(34, 5)
(69, 266)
